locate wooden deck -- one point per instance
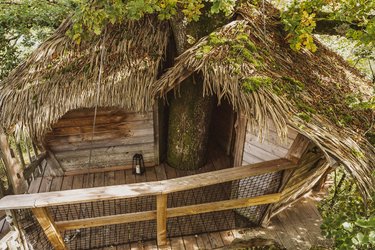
(294, 228)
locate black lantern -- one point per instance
(138, 165)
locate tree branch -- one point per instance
(334, 27)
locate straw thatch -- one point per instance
(61, 75)
(303, 90)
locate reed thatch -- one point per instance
(61, 75)
(303, 90)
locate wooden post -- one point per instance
(49, 227)
(14, 226)
(161, 219)
(240, 128)
(19, 150)
(13, 168)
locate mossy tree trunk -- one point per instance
(190, 112)
(189, 121)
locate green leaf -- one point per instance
(369, 223)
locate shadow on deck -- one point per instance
(294, 228)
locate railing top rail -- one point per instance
(141, 189)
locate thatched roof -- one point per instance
(61, 75)
(249, 62)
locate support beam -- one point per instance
(48, 225)
(12, 166)
(239, 144)
(15, 227)
(299, 146)
(161, 219)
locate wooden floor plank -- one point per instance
(150, 245)
(123, 247)
(227, 237)
(45, 184)
(190, 242)
(204, 241)
(215, 239)
(35, 185)
(177, 243)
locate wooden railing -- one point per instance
(40, 202)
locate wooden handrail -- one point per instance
(141, 189)
(30, 169)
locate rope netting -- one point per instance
(112, 235)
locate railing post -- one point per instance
(14, 226)
(161, 219)
(49, 227)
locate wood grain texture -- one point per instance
(268, 148)
(106, 220)
(223, 205)
(46, 222)
(161, 219)
(118, 135)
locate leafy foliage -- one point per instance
(346, 219)
(354, 18)
(91, 16)
(23, 24)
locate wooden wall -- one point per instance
(255, 151)
(270, 148)
(118, 136)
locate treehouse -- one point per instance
(276, 130)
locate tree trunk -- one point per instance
(190, 112)
(189, 122)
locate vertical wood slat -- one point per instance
(13, 168)
(161, 219)
(19, 151)
(239, 144)
(49, 227)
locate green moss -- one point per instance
(304, 116)
(305, 107)
(357, 154)
(370, 136)
(253, 83)
(293, 82)
(241, 49)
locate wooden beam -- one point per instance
(30, 169)
(224, 175)
(239, 144)
(55, 168)
(106, 220)
(168, 213)
(45, 220)
(156, 133)
(299, 146)
(12, 166)
(19, 151)
(161, 219)
(223, 205)
(74, 196)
